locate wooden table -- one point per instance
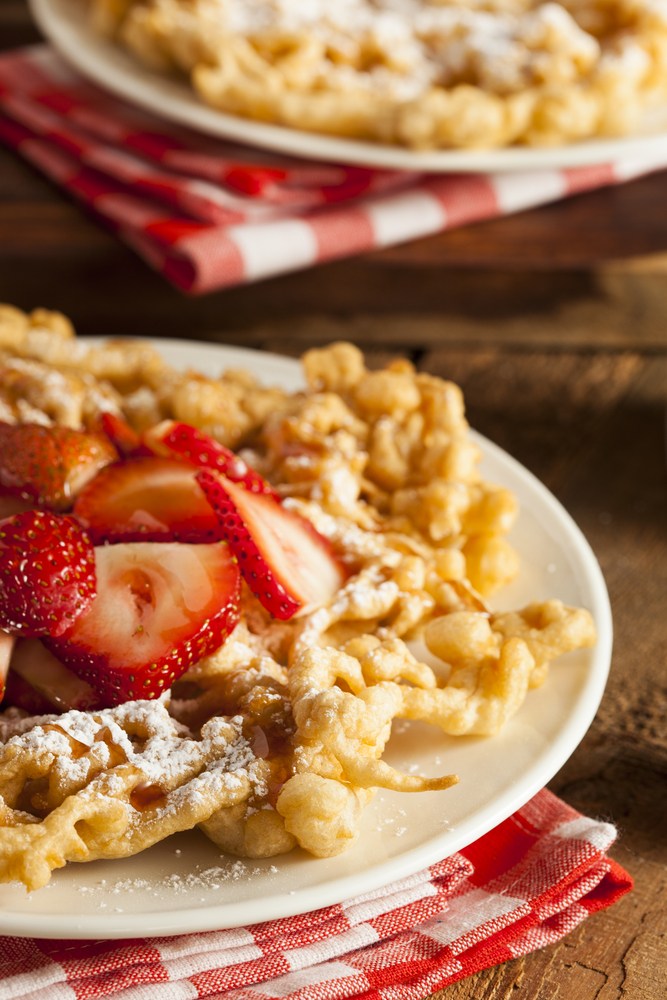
(555, 324)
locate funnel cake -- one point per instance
(426, 74)
(277, 738)
(109, 784)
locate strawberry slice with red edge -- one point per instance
(38, 681)
(13, 505)
(286, 563)
(7, 643)
(20, 694)
(48, 466)
(178, 440)
(146, 499)
(160, 607)
(124, 438)
(47, 573)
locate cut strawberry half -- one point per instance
(147, 499)
(286, 563)
(46, 682)
(47, 573)
(160, 607)
(177, 440)
(48, 466)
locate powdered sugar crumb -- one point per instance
(211, 879)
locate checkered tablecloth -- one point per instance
(524, 885)
(209, 214)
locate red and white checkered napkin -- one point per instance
(209, 214)
(522, 886)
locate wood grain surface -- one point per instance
(554, 322)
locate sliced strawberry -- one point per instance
(7, 643)
(13, 505)
(147, 499)
(53, 687)
(20, 694)
(160, 607)
(124, 438)
(49, 465)
(177, 440)
(47, 573)
(286, 563)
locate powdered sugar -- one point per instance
(418, 44)
(205, 878)
(144, 735)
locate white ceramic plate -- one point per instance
(184, 884)
(64, 23)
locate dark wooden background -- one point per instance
(554, 322)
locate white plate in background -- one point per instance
(65, 24)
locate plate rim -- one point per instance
(548, 763)
(144, 88)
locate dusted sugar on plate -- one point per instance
(426, 74)
(216, 597)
